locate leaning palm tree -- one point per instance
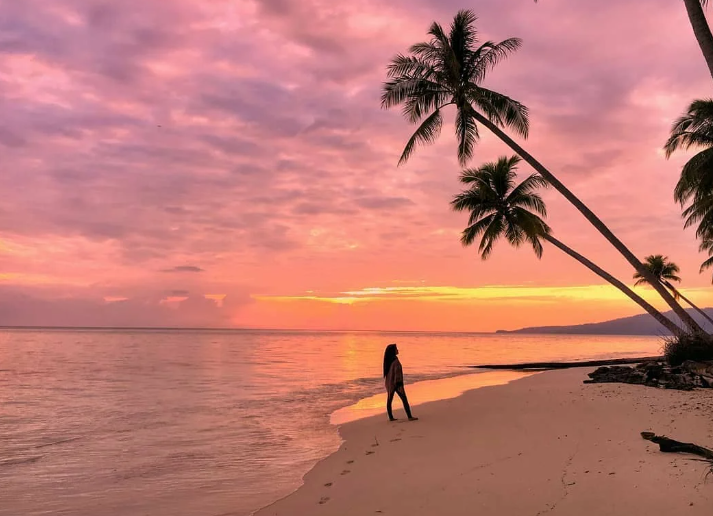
(701, 30)
(449, 70)
(500, 208)
(666, 271)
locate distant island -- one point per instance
(642, 324)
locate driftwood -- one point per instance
(567, 365)
(671, 446)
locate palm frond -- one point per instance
(532, 225)
(502, 176)
(467, 133)
(410, 67)
(514, 234)
(706, 265)
(472, 232)
(488, 56)
(695, 128)
(426, 133)
(696, 177)
(490, 236)
(428, 51)
(463, 33)
(639, 281)
(475, 202)
(523, 194)
(501, 109)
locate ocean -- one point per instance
(216, 422)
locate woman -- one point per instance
(394, 381)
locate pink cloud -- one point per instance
(247, 137)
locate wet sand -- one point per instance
(546, 444)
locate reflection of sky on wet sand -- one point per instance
(423, 392)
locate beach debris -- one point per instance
(685, 377)
(672, 446)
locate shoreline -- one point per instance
(421, 392)
(541, 436)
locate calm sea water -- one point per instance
(208, 423)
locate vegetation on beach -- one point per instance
(678, 349)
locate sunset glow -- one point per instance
(227, 164)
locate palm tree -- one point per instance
(701, 30)
(694, 129)
(500, 208)
(666, 272)
(449, 70)
(695, 186)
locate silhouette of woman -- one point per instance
(394, 381)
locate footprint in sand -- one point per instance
(397, 439)
(328, 484)
(369, 453)
(350, 462)
(345, 472)
(323, 500)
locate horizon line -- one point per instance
(227, 328)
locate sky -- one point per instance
(227, 164)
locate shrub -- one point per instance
(687, 347)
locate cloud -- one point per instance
(184, 268)
(19, 308)
(248, 137)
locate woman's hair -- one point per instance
(389, 357)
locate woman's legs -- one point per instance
(389, 399)
(402, 394)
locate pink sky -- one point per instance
(226, 163)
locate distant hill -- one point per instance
(642, 324)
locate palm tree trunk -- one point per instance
(701, 30)
(667, 323)
(595, 221)
(678, 293)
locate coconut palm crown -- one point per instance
(666, 272)
(695, 186)
(694, 129)
(449, 70)
(663, 269)
(501, 208)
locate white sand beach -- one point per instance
(546, 444)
